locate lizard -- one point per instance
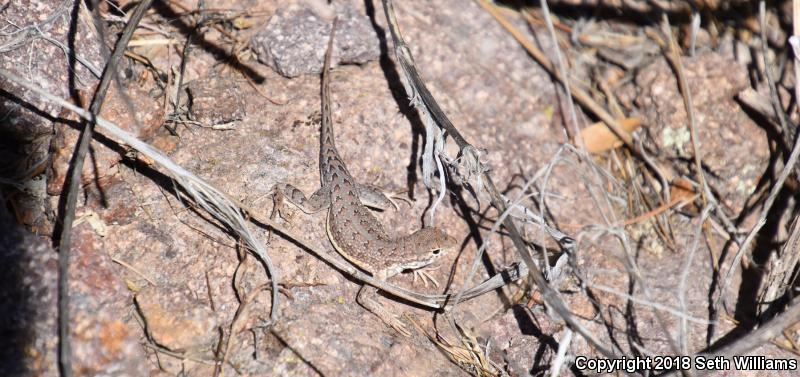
(355, 233)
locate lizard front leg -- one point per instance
(368, 298)
(375, 197)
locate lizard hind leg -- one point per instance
(278, 202)
(368, 298)
(284, 192)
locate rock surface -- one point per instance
(215, 100)
(734, 149)
(293, 41)
(28, 275)
(136, 234)
(176, 320)
(35, 34)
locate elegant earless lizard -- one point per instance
(352, 229)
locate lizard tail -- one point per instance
(326, 135)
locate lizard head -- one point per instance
(420, 249)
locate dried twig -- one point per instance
(773, 89)
(185, 53)
(675, 59)
(64, 244)
(562, 68)
(682, 336)
(563, 347)
(794, 40)
(782, 271)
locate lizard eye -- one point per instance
(436, 252)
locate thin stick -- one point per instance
(135, 270)
(773, 89)
(675, 59)
(683, 339)
(655, 305)
(65, 348)
(562, 68)
(795, 36)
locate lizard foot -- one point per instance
(398, 195)
(279, 205)
(377, 197)
(424, 275)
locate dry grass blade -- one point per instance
(683, 339)
(468, 356)
(794, 38)
(431, 115)
(206, 196)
